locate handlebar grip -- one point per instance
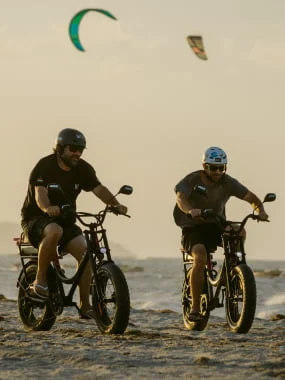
(66, 211)
(65, 207)
(262, 220)
(113, 209)
(207, 212)
(256, 217)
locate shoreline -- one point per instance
(155, 345)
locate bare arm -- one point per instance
(107, 197)
(256, 204)
(184, 205)
(43, 202)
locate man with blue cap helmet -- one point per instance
(198, 234)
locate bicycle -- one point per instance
(233, 285)
(108, 289)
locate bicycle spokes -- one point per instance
(236, 299)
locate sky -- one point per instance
(148, 106)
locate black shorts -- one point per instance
(34, 227)
(208, 234)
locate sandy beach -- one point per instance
(155, 345)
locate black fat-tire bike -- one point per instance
(232, 286)
(109, 291)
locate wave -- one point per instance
(269, 273)
(277, 299)
(128, 268)
(10, 269)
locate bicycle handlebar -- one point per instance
(66, 210)
(207, 213)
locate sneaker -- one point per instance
(194, 317)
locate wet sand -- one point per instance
(155, 346)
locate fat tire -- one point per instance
(187, 303)
(243, 286)
(26, 307)
(114, 321)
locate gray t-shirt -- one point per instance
(217, 196)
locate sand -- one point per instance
(155, 346)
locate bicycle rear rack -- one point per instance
(26, 249)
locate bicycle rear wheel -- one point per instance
(187, 304)
(112, 308)
(240, 307)
(36, 316)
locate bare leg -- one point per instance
(77, 247)
(47, 251)
(197, 275)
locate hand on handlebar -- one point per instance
(122, 209)
(53, 211)
(198, 213)
(119, 210)
(263, 216)
(195, 212)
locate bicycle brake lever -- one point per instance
(257, 218)
(114, 210)
(118, 213)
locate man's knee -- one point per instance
(53, 232)
(199, 255)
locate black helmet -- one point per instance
(70, 136)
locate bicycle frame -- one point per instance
(234, 254)
(97, 252)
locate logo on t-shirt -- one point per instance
(39, 182)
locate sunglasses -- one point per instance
(214, 168)
(75, 148)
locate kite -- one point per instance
(196, 44)
(75, 22)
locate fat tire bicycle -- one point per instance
(109, 291)
(232, 286)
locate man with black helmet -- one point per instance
(41, 216)
(199, 234)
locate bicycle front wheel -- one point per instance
(112, 307)
(240, 306)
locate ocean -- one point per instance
(155, 283)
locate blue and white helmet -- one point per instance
(214, 155)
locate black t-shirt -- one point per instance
(82, 177)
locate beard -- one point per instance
(71, 162)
